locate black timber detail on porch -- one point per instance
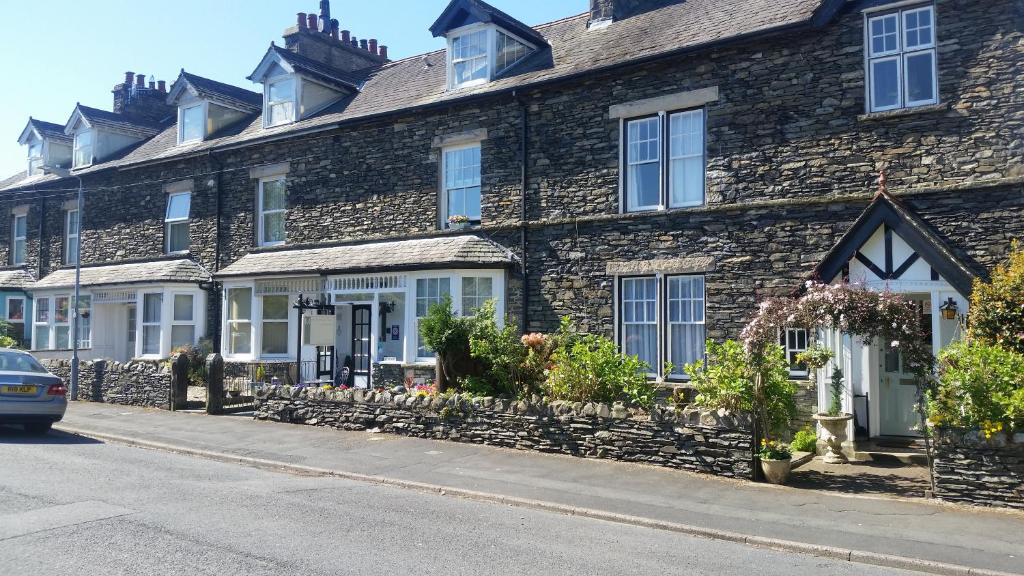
(888, 272)
(885, 210)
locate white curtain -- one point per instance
(639, 319)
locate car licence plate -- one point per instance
(17, 389)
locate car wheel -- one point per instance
(39, 428)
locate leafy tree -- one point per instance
(997, 307)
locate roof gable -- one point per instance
(887, 213)
(293, 63)
(42, 131)
(460, 13)
(217, 92)
(96, 118)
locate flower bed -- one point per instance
(973, 469)
(701, 441)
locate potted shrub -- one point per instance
(458, 222)
(776, 461)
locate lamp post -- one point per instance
(64, 173)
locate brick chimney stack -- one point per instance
(615, 10)
(139, 102)
(319, 37)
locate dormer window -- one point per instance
(35, 158)
(191, 123)
(83, 148)
(480, 54)
(280, 102)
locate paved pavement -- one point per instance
(73, 506)
(911, 528)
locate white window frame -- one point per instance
(91, 147)
(261, 212)
(7, 310)
(657, 321)
(669, 323)
(440, 297)
(664, 123)
(469, 310)
(444, 181)
(54, 324)
(263, 321)
(193, 321)
(34, 161)
(69, 237)
(227, 322)
(143, 324)
(491, 44)
(16, 241)
(662, 320)
(84, 322)
(790, 351)
(169, 222)
(899, 55)
(44, 324)
(267, 103)
(203, 112)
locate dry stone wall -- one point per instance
(984, 472)
(128, 383)
(689, 439)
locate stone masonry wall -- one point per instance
(972, 470)
(689, 439)
(128, 383)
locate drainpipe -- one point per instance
(523, 175)
(216, 165)
(39, 249)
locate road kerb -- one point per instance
(856, 556)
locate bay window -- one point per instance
(661, 320)
(429, 291)
(461, 169)
(661, 174)
(901, 58)
(176, 222)
(239, 320)
(274, 326)
(272, 210)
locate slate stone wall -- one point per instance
(689, 439)
(128, 383)
(972, 470)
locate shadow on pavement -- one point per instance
(14, 434)
(863, 478)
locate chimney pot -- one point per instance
(373, 45)
(384, 52)
(301, 17)
(162, 85)
(363, 45)
(152, 85)
(346, 36)
(140, 80)
(334, 29)
(128, 78)
(355, 43)
(311, 21)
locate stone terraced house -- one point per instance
(649, 168)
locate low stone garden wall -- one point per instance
(688, 439)
(129, 383)
(972, 470)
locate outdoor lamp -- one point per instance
(948, 309)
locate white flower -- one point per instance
(895, 343)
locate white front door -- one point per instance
(897, 396)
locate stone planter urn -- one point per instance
(836, 427)
(776, 471)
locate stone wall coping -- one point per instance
(688, 417)
(976, 439)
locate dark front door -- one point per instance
(361, 342)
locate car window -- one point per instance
(20, 362)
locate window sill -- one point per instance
(662, 209)
(902, 112)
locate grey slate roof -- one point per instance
(456, 14)
(155, 272)
(421, 80)
(15, 279)
(221, 92)
(49, 130)
(426, 253)
(319, 70)
(119, 122)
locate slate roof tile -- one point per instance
(155, 272)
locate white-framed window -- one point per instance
(35, 157)
(279, 105)
(176, 222)
(656, 175)
(794, 341)
(19, 236)
(902, 70)
(274, 325)
(429, 291)
(273, 207)
(191, 123)
(41, 325)
(183, 320)
(239, 321)
(477, 53)
(15, 312)
(661, 319)
(85, 321)
(152, 313)
(476, 290)
(461, 177)
(83, 148)
(71, 231)
(62, 322)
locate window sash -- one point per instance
(429, 291)
(470, 58)
(176, 222)
(83, 149)
(152, 313)
(461, 177)
(794, 341)
(272, 220)
(12, 315)
(686, 155)
(193, 125)
(662, 317)
(239, 320)
(280, 106)
(19, 231)
(893, 40)
(638, 311)
(72, 228)
(508, 52)
(664, 161)
(476, 291)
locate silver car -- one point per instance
(29, 394)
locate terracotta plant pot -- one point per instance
(836, 427)
(776, 471)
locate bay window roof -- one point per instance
(183, 271)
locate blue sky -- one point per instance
(219, 39)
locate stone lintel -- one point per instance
(268, 170)
(179, 186)
(467, 137)
(677, 101)
(663, 266)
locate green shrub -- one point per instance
(997, 307)
(196, 355)
(448, 334)
(805, 440)
(509, 366)
(589, 368)
(981, 385)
